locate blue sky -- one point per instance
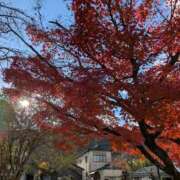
(51, 10)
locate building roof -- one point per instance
(103, 144)
(106, 167)
(96, 145)
(149, 170)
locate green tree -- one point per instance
(137, 163)
(53, 157)
(18, 139)
(6, 114)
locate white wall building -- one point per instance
(149, 173)
(96, 162)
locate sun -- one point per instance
(24, 103)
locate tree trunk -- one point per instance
(150, 144)
(158, 172)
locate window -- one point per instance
(99, 156)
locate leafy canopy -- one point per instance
(113, 73)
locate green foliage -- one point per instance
(3, 96)
(55, 158)
(7, 114)
(65, 160)
(137, 163)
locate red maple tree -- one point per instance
(113, 73)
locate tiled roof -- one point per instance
(108, 166)
(98, 145)
(149, 169)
